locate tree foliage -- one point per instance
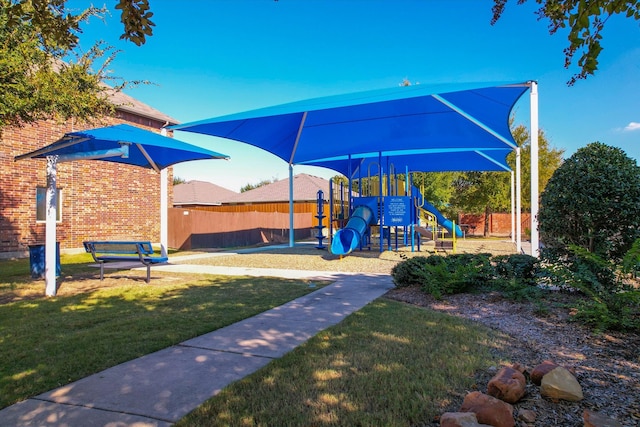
(593, 201)
(486, 192)
(34, 83)
(585, 20)
(262, 183)
(42, 75)
(59, 28)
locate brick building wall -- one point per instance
(100, 200)
(499, 223)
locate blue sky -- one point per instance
(215, 57)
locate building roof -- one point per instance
(124, 102)
(305, 188)
(200, 193)
(129, 104)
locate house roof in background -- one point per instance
(201, 193)
(305, 188)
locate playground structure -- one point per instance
(383, 205)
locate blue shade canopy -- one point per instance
(424, 161)
(415, 125)
(124, 144)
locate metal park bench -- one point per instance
(119, 251)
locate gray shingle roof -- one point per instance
(200, 193)
(305, 188)
(124, 102)
(127, 103)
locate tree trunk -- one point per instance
(487, 217)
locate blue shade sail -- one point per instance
(414, 125)
(493, 160)
(124, 144)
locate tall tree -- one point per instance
(585, 19)
(488, 192)
(437, 188)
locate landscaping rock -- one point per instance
(508, 385)
(527, 415)
(488, 409)
(460, 419)
(541, 370)
(560, 384)
(595, 419)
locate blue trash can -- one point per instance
(37, 259)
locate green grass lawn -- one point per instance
(389, 364)
(48, 342)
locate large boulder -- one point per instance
(541, 370)
(488, 409)
(560, 384)
(460, 419)
(508, 385)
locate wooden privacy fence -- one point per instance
(198, 229)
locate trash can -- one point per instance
(37, 260)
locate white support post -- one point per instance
(518, 203)
(164, 212)
(535, 237)
(291, 224)
(50, 238)
(164, 207)
(513, 208)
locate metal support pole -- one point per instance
(291, 224)
(50, 241)
(535, 238)
(513, 208)
(518, 203)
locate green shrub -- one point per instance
(440, 276)
(610, 302)
(409, 272)
(593, 201)
(519, 267)
(631, 260)
(619, 311)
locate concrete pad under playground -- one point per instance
(160, 388)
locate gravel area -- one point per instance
(606, 365)
(307, 257)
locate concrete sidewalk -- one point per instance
(160, 388)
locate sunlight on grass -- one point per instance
(388, 364)
(48, 342)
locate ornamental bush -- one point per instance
(519, 267)
(593, 201)
(440, 276)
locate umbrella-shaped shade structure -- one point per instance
(121, 144)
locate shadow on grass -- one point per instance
(48, 342)
(387, 364)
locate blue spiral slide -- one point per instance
(348, 238)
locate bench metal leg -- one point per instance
(102, 271)
(148, 273)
